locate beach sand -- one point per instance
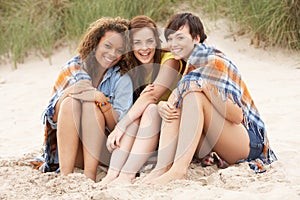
(272, 76)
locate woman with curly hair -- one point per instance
(91, 94)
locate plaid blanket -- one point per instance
(208, 66)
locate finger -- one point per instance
(112, 145)
(171, 118)
(108, 146)
(147, 89)
(167, 120)
(171, 106)
(118, 141)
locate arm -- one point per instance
(229, 110)
(110, 115)
(123, 97)
(165, 79)
(77, 88)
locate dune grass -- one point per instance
(40, 26)
(277, 22)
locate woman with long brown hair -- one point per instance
(91, 94)
(135, 137)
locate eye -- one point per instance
(108, 46)
(169, 39)
(136, 42)
(150, 42)
(120, 51)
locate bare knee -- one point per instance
(68, 106)
(89, 110)
(150, 121)
(151, 108)
(195, 97)
(150, 115)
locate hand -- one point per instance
(113, 140)
(79, 87)
(167, 111)
(148, 88)
(89, 94)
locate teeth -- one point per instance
(176, 50)
(144, 53)
(108, 59)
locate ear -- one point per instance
(196, 39)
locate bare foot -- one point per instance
(153, 175)
(124, 179)
(168, 177)
(110, 176)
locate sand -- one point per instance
(272, 75)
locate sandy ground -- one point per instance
(272, 75)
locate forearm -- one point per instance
(111, 118)
(137, 109)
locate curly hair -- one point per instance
(93, 35)
(138, 76)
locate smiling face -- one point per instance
(181, 43)
(144, 45)
(110, 49)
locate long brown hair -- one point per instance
(92, 37)
(137, 74)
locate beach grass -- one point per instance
(40, 27)
(276, 22)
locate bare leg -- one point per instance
(167, 148)
(209, 121)
(68, 126)
(93, 137)
(120, 155)
(144, 144)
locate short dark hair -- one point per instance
(179, 20)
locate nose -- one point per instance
(113, 53)
(144, 46)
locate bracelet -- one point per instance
(104, 106)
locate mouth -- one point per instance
(176, 51)
(109, 60)
(144, 54)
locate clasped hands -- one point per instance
(84, 91)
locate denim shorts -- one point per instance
(256, 142)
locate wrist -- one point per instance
(104, 106)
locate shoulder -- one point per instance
(166, 56)
(74, 63)
(168, 59)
